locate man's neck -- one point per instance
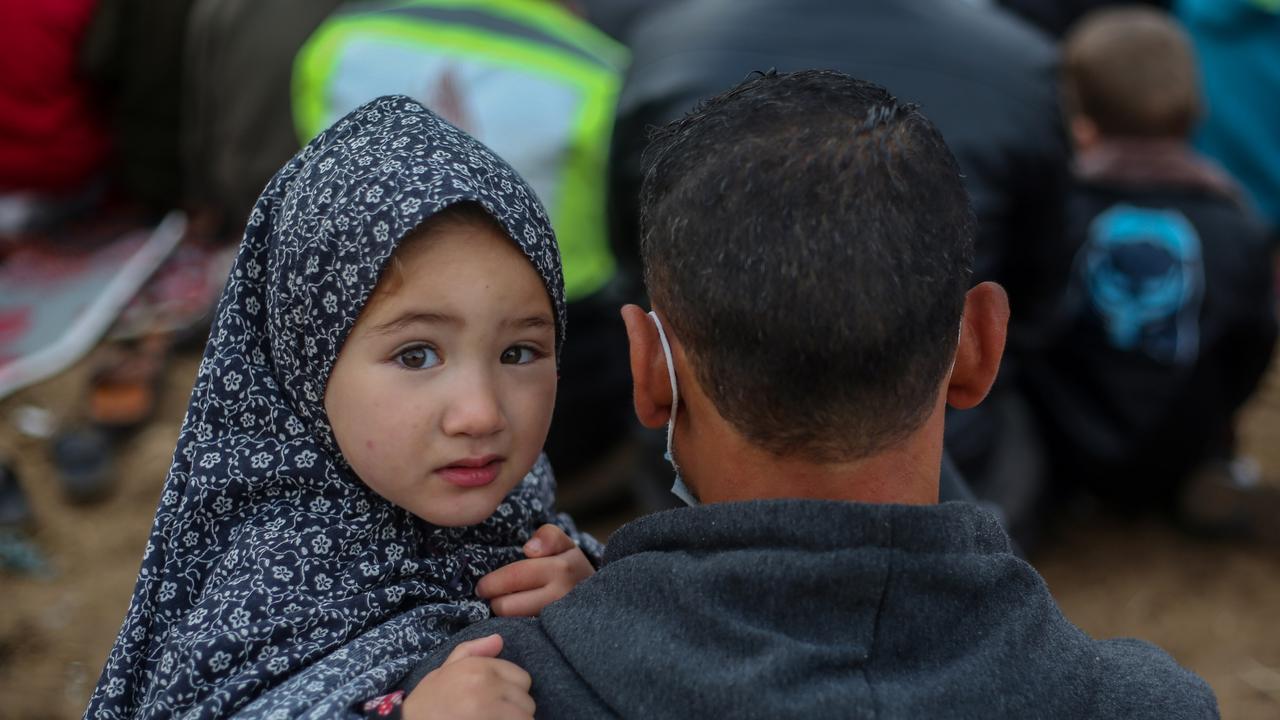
(735, 470)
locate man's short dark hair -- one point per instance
(809, 242)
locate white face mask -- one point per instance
(959, 334)
(679, 489)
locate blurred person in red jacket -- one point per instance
(53, 143)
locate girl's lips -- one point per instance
(472, 472)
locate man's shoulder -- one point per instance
(1139, 680)
(519, 635)
(557, 688)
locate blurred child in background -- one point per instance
(1168, 323)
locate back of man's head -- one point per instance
(809, 242)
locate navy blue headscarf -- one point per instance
(274, 583)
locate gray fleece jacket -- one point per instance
(810, 609)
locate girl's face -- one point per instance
(442, 394)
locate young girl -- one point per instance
(362, 443)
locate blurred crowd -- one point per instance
(1122, 160)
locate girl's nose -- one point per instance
(474, 409)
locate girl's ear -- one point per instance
(982, 336)
(651, 384)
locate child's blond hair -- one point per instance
(1131, 70)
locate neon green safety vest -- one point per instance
(529, 79)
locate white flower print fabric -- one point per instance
(274, 583)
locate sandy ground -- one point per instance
(1214, 606)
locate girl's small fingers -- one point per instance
(547, 541)
(506, 677)
(488, 647)
(513, 675)
(516, 577)
(490, 585)
(522, 604)
(577, 565)
(523, 701)
(507, 711)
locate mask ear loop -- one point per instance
(959, 334)
(671, 375)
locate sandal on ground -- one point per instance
(15, 510)
(124, 385)
(83, 458)
(1230, 499)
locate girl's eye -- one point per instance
(518, 355)
(418, 357)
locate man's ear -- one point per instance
(982, 336)
(651, 386)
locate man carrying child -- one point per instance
(808, 248)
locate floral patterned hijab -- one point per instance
(274, 583)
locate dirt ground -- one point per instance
(1214, 606)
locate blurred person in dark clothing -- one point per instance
(133, 51)
(617, 17)
(237, 121)
(1169, 319)
(988, 81)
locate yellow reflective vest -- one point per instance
(529, 79)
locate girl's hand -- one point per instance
(472, 683)
(524, 587)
